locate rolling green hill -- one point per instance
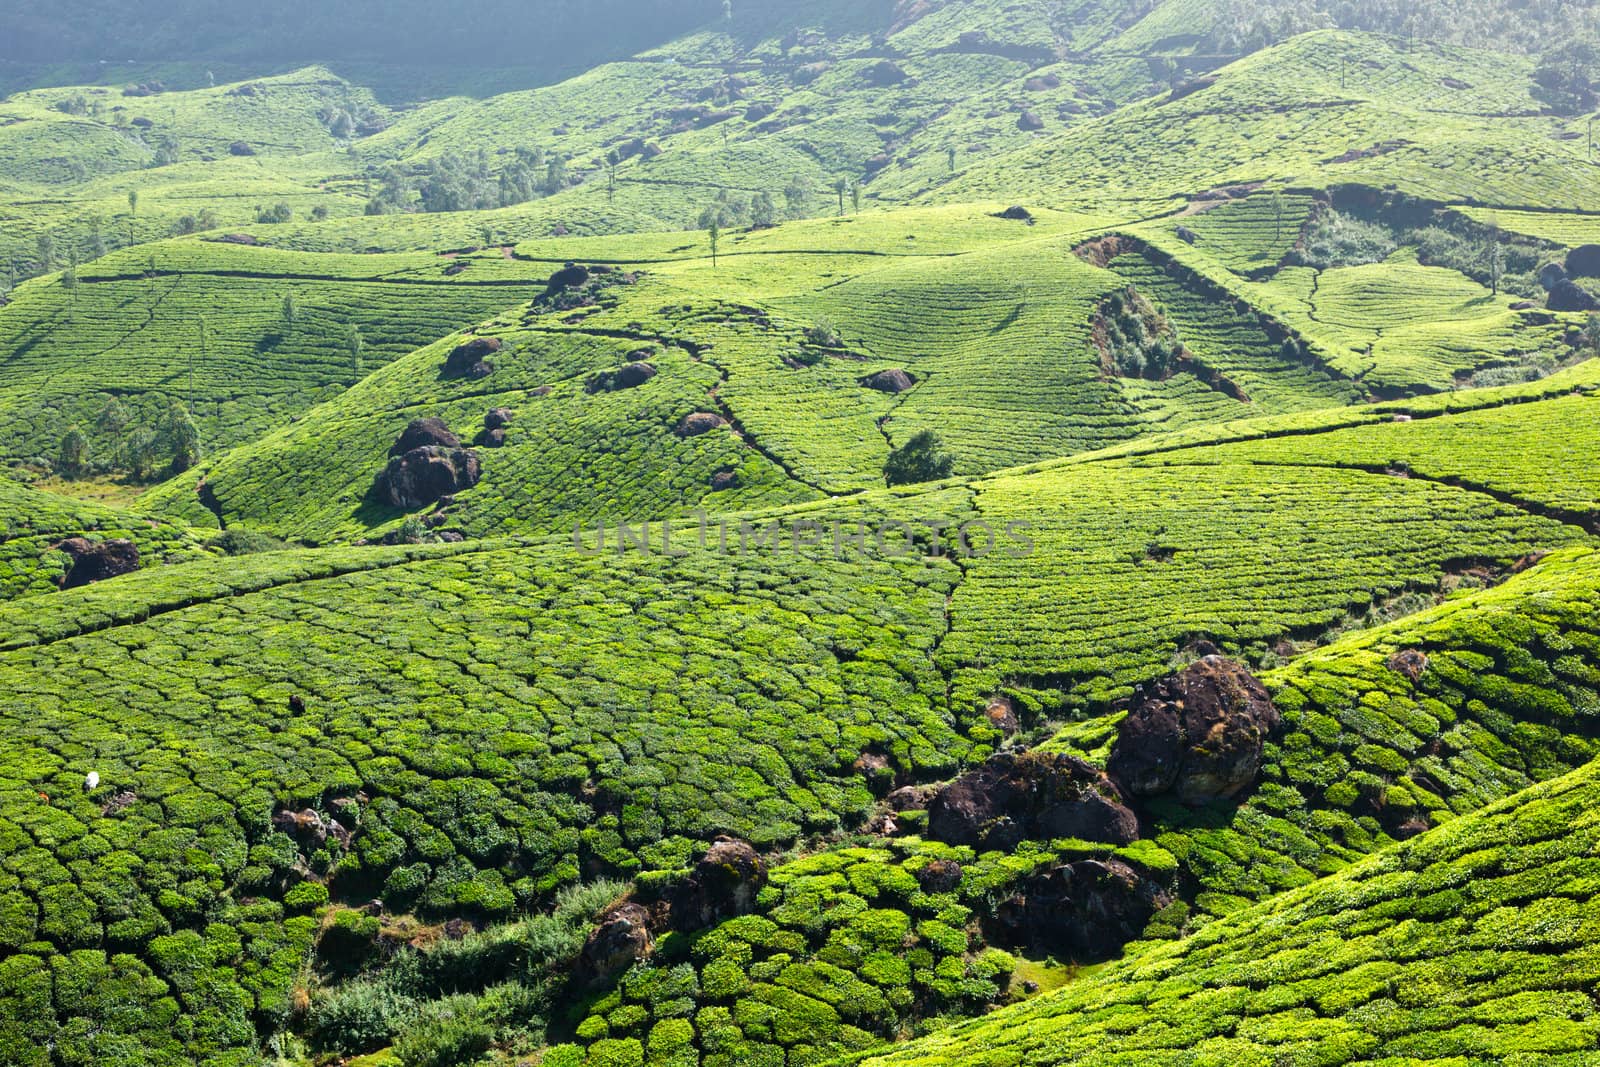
(676, 558)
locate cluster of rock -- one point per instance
(495, 422)
(1197, 735)
(471, 360)
(427, 463)
(1566, 294)
(95, 561)
(722, 885)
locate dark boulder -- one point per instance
(495, 422)
(630, 375)
(1042, 83)
(911, 798)
(1034, 795)
(1568, 295)
(757, 112)
(724, 479)
(471, 360)
(620, 939)
(1002, 715)
(722, 885)
(1410, 663)
(1584, 262)
(1187, 236)
(425, 464)
(95, 561)
(1085, 911)
(1199, 732)
(1016, 213)
(1029, 120)
(420, 433)
(940, 876)
(241, 148)
(1551, 274)
(885, 72)
(700, 422)
(889, 381)
(569, 277)
(627, 376)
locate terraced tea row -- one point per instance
(247, 339)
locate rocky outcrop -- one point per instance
(420, 433)
(495, 422)
(885, 72)
(722, 885)
(310, 829)
(425, 464)
(1198, 733)
(1551, 275)
(471, 360)
(1410, 663)
(620, 939)
(940, 876)
(1029, 120)
(95, 561)
(1568, 295)
(568, 277)
(1016, 213)
(1584, 262)
(1014, 798)
(1084, 911)
(894, 380)
(627, 376)
(699, 422)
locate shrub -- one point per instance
(238, 542)
(445, 1043)
(359, 1017)
(921, 459)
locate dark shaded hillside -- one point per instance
(554, 38)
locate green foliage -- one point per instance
(921, 459)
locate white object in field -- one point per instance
(91, 781)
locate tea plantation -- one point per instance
(968, 532)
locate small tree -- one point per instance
(183, 438)
(73, 457)
(289, 312)
(714, 231)
(855, 195)
(113, 422)
(46, 246)
(141, 452)
(921, 459)
(950, 156)
(797, 197)
(133, 201)
(1494, 259)
(1591, 336)
(840, 187)
(1278, 208)
(201, 324)
(763, 212)
(357, 345)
